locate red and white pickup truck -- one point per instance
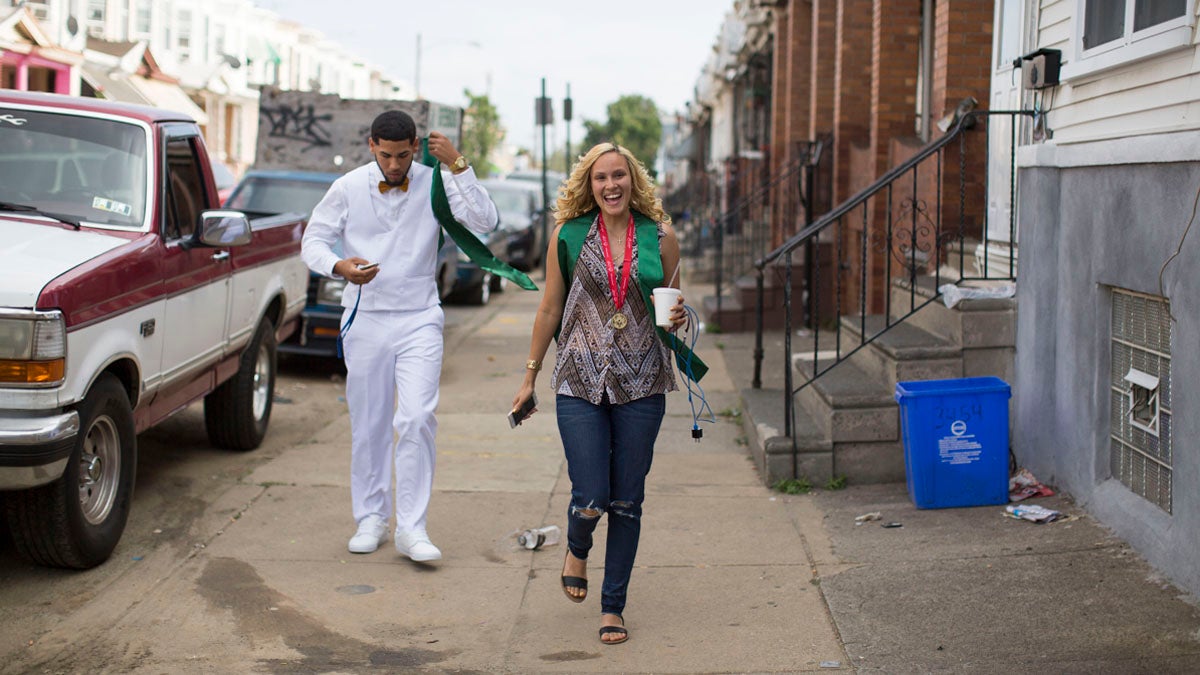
(126, 294)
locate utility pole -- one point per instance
(567, 119)
(544, 115)
(417, 70)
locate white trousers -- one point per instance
(393, 362)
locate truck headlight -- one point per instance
(33, 347)
(329, 291)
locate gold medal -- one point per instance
(619, 321)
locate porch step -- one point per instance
(848, 404)
(772, 451)
(989, 322)
(740, 298)
(985, 329)
(847, 420)
(902, 353)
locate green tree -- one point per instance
(482, 132)
(633, 122)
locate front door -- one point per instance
(1006, 94)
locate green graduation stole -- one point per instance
(650, 275)
(466, 240)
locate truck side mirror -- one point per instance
(224, 228)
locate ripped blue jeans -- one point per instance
(609, 449)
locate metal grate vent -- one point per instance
(1140, 382)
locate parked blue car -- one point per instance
(263, 194)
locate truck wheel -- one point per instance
(498, 283)
(237, 412)
(77, 520)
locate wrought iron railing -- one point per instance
(899, 226)
(734, 238)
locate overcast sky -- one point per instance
(603, 50)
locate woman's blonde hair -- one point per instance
(575, 196)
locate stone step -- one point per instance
(901, 353)
(849, 405)
(773, 453)
(972, 324)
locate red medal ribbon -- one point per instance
(618, 300)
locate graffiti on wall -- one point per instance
(297, 124)
(307, 131)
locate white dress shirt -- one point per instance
(396, 229)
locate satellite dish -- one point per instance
(72, 25)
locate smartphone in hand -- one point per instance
(367, 266)
(517, 416)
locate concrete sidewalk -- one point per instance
(731, 576)
(725, 580)
(968, 590)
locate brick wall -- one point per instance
(852, 91)
(824, 62)
(777, 158)
(850, 67)
(792, 100)
(895, 38)
(963, 42)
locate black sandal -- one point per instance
(609, 630)
(573, 582)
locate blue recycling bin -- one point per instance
(955, 441)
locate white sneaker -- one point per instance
(416, 545)
(371, 531)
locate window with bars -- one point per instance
(1141, 452)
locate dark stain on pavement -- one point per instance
(569, 656)
(264, 615)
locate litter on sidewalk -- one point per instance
(874, 515)
(1032, 513)
(1024, 485)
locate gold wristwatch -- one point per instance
(459, 165)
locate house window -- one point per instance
(1141, 451)
(184, 34)
(94, 22)
(1110, 33)
(1106, 20)
(142, 18)
(39, 8)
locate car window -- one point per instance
(262, 196)
(185, 188)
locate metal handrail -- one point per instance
(808, 236)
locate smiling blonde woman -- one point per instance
(612, 368)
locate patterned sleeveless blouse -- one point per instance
(593, 357)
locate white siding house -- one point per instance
(1108, 309)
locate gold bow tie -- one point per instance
(384, 186)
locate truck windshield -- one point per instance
(91, 169)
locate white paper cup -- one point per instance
(665, 299)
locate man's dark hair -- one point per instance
(393, 125)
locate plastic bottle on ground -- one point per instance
(539, 537)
